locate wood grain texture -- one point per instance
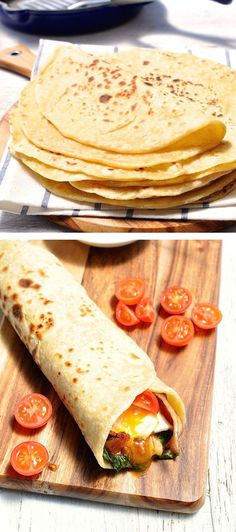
(178, 485)
(18, 59)
(92, 224)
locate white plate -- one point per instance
(107, 240)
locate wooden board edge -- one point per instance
(146, 503)
(106, 225)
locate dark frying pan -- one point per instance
(64, 17)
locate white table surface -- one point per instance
(23, 512)
(163, 23)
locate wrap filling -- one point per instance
(143, 431)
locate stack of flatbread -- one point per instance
(140, 128)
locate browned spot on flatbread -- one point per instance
(17, 311)
(58, 355)
(71, 349)
(68, 364)
(5, 269)
(79, 370)
(126, 388)
(28, 283)
(25, 283)
(98, 378)
(134, 356)
(85, 310)
(14, 297)
(1, 254)
(46, 301)
(74, 380)
(104, 98)
(42, 273)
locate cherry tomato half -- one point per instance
(145, 310)
(33, 411)
(206, 315)
(176, 299)
(148, 401)
(130, 291)
(29, 458)
(125, 315)
(177, 330)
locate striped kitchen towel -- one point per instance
(20, 193)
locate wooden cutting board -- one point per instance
(168, 485)
(20, 59)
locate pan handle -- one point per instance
(19, 59)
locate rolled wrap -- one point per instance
(95, 367)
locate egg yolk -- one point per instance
(137, 422)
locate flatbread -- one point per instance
(216, 190)
(95, 367)
(121, 112)
(220, 158)
(40, 132)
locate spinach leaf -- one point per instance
(118, 461)
(164, 436)
(167, 455)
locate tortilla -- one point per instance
(121, 112)
(171, 187)
(69, 169)
(39, 131)
(95, 367)
(147, 89)
(132, 193)
(216, 190)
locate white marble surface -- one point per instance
(165, 23)
(23, 512)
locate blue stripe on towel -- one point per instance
(36, 65)
(227, 57)
(129, 214)
(5, 166)
(184, 213)
(24, 209)
(45, 200)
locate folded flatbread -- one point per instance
(95, 367)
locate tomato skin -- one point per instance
(148, 401)
(206, 315)
(33, 411)
(145, 310)
(125, 315)
(177, 330)
(176, 299)
(29, 458)
(130, 291)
